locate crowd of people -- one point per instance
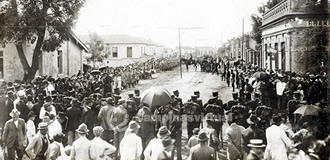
(69, 107)
(85, 116)
(262, 120)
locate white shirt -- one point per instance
(43, 112)
(153, 149)
(16, 123)
(101, 147)
(81, 149)
(30, 130)
(277, 143)
(131, 147)
(54, 128)
(280, 86)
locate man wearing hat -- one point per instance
(147, 130)
(202, 150)
(99, 147)
(81, 147)
(9, 105)
(47, 110)
(292, 105)
(119, 120)
(233, 136)
(167, 152)
(104, 117)
(256, 151)
(20, 95)
(215, 106)
(192, 108)
(39, 147)
(178, 99)
(74, 119)
(277, 141)
(14, 134)
(254, 103)
(252, 132)
(132, 107)
(155, 146)
(137, 97)
(199, 100)
(232, 102)
(127, 152)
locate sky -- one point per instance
(214, 21)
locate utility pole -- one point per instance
(242, 39)
(180, 43)
(180, 52)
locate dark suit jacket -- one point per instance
(163, 156)
(10, 132)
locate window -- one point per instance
(114, 51)
(1, 64)
(129, 52)
(60, 61)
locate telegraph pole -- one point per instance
(180, 52)
(242, 39)
(180, 44)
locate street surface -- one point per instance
(191, 81)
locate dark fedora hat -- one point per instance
(166, 141)
(202, 137)
(215, 94)
(163, 131)
(277, 118)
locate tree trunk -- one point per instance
(22, 58)
(30, 71)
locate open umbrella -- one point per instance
(103, 67)
(95, 71)
(261, 75)
(156, 96)
(307, 110)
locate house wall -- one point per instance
(48, 64)
(137, 50)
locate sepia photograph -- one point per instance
(164, 80)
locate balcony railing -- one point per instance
(277, 11)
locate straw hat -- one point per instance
(256, 143)
(133, 126)
(82, 128)
(14, 112)
(42, 125)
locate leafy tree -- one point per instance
(256, 24)
(43, 23)
(96, 49)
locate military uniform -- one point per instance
(293, 105)
(192, 109)
(215, 106)
(233, 102)
(265, 113)
(253, 104)
(132, 107)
